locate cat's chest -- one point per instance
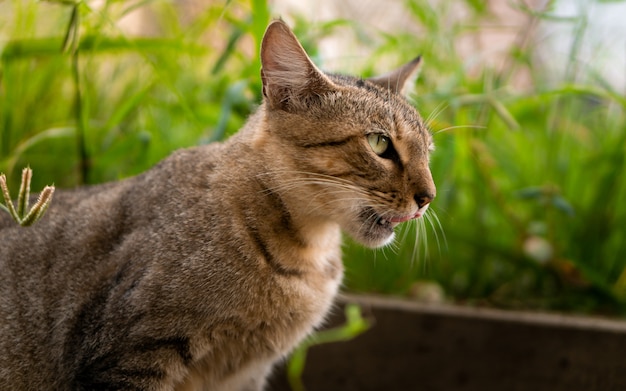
(306, 297)
(280, 310)
(319, 285)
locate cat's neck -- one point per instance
(277, 215)
(280, 177)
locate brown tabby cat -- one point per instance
(204, 271)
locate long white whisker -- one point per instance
(435, 113)
(428, 220)
(405, 228)
(329, 188)
(332, 180)
(293, 183)
(435, 223)
(308, 173)
(459, 127)
(424, 241)
(411, 227)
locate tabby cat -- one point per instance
(204, 271)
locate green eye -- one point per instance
(378, 142)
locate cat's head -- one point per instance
(353, 150)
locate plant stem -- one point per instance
(71, 42)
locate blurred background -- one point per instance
(526, 100)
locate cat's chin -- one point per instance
(372, 230)
(374, 239)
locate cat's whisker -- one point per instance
(346, 200)
(308, 173)
(424, 239)
(421, 241)
(341, 192)
(435, 113)
(405, 228)
(352, 197)
(393, 247)
(427, 220)
(318, 180)
(460, 127)
(436, 226)
(333, 186)
(299, 183)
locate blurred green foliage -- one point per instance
(530, 210)
(530, 180)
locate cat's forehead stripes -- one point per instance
(327, 143)
(414, 140)
(396, 104)
(362, 84)
(395, 108)
(386, 112)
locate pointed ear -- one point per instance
(288, 74)
(402, 79)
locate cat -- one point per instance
(206, 270)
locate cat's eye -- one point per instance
(378, 142)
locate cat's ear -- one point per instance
(288, 74)
(402, 80)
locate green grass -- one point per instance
(540, 165)
(83, 102)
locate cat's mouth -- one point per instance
(382, 222)
(380, 228)
(395, 220)
(377, 229)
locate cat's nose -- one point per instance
(423, 199)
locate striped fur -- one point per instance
(204, 271)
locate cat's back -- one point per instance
(87, 226)
(93, 243)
